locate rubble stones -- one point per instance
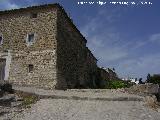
(145, 88)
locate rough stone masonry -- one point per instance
(40, 46)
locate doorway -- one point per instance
(2, 68)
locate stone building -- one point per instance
(104, 75)
(40, 46)
(112, 74)
(107, 74)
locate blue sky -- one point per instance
(124, 37)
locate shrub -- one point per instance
(28, 100)
(115, 84)
(154, 79)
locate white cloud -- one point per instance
(104, 41)
(96, 23)
(140, 43)
(7, 5)
(113, 50)
(11, 6)
(155, 37)
(140, 66)
(104, 48)
(109, 54)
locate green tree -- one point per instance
(140, 81)
(155, 79)
(148, 78)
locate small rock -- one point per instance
(18, 98)
(16, 104)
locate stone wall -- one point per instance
(44, 68)
(112, 74)
(14, 26)
(76, 64)
(103, 77)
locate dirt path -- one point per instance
(51, 109)
(86, 105)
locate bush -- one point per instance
(154, 79)
(115, 84)
(28, 100)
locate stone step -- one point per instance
(105, 95)
(91, 98)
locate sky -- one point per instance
(124, 37)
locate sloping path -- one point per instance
(86, 105)
(62, 109)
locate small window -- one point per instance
(31, 38)
(1, 40)
(30, 68)
(34, 15)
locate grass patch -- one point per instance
(27, 98)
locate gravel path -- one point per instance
(52, 109)
(84, 105)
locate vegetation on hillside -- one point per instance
(115, 84)
(153, 79)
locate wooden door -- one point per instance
(2, 68)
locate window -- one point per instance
(31, 38)
(30, 68)
(34, 15)
(1, 39)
